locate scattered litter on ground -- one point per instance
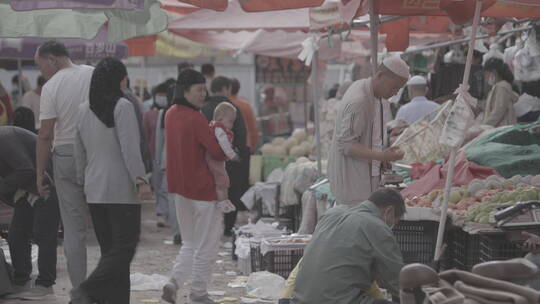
(249, 300)
(238, 282)
(228, 300)
(143, 282)
(217, 293)
(224, 254)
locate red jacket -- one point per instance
(188, 139)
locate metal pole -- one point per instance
(453, 151)
(20, 84)
(315, 84)
(459, 41)
(374, 30)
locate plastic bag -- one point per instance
(265, 285)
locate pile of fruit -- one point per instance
(299, 144)
(481, 197)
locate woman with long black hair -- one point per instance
(500, 102)
(109, 164)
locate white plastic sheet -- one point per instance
(143, 282)
(265, 285)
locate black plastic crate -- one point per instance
(256, 257)
(416, 240)
(465, 249)
(282, 262)
(496, 247)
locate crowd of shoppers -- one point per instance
(95, 148)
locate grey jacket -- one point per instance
(109, 159)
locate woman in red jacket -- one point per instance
(188, 139)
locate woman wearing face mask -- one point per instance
(149, 129)
(500, 102)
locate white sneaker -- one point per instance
(17, 291)
(38, 292)
(169, 292)
(201, 300)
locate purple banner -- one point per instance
(79, 49)
(28, 5)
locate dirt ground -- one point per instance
(153, 257)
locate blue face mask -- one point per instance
(161, 101)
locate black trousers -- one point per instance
(39, 223)
(117, 228)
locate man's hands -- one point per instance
(390, 154)
(532, 244)
(42, 187)
(144, 192)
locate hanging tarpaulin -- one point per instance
(255, 5)
(173, 45)
(82, 23)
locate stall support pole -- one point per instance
(20, 84)
(453, 151)
(315, 88)
(374, 33)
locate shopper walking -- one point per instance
(189, 138)
(109, 163)
(66, 88)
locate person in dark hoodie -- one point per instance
(35, 218)
(238, 170)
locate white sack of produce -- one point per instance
(265, 285)
(296, 180)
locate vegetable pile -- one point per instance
(482, 197)
(299, 144)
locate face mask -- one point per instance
(161, 101)
(491, 80)
(389, 218)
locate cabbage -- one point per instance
(278, 141)
(455, 196)
(296, 151)
(535, 180)
(267, 149)
(299, 134)
(493, 184)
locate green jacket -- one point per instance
(351, 248)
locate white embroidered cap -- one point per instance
(397, 65)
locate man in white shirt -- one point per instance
(31, 100)
(67, 87)
(419, 106)
(358, 151)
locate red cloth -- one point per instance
(149, 129)
(216, 124)
(435, 178)
(419, 169)
(189, 138)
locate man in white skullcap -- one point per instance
(356, 153)
(419, 106)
